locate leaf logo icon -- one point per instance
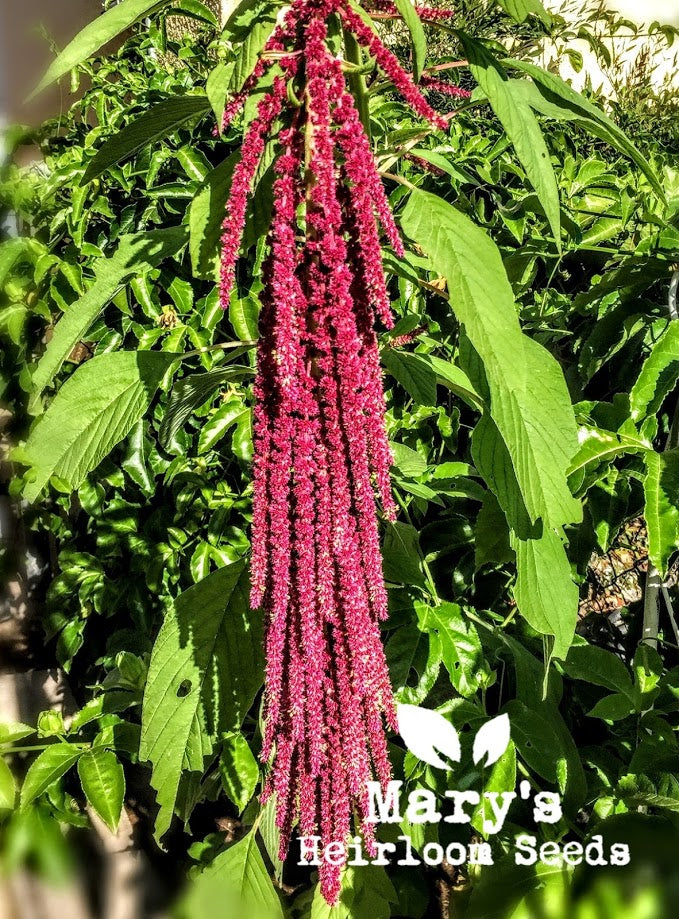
(426, 733)
(491, 740)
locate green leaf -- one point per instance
(153, 125)
(206, 667)
(658, 376)
(135, 255)
(92, 412)
(414, 372)
(408, 462)
(411, 650)
(661, 490)
(218, 423)
(217, 87)
(103, 782)
(521, 127)
(7, 787)
(95, 35)
(562, 101)
(52, 763)
(236, 883)
(452, 376)
(613, 708)
(596, 665)
(244, 317)
(402, 556)
(196, 10)
(251, 48)
(535, 739)
(598, 446)
(366, 893)
(238, 769)
(492, 534)
(460, 644)
(536, 424)
(206, 215)
(544, 589)
(271, 836)
(11, 731)
(191, 392)
(417, 36)
(521, 9)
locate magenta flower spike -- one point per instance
(322, 456)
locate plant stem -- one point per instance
(221, 347)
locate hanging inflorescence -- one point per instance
(322, 457)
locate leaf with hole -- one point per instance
(206, 667)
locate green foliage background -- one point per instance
(531, 420)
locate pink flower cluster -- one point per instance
(322, 457)
(427, 13)
(448, 89)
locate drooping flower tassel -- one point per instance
(322, 457)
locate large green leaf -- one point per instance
(92, 412)
(236, 884)
(206, 216)
(658, 376)
(544, 591)
(661, 490)
(103, 782)
(417, 36)
(529, 400)
(151, 126)
(521, 127)
(52, 763)
(563, 102)
(96, 34)
(206, 668)
(135, 255)
(252, 46)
